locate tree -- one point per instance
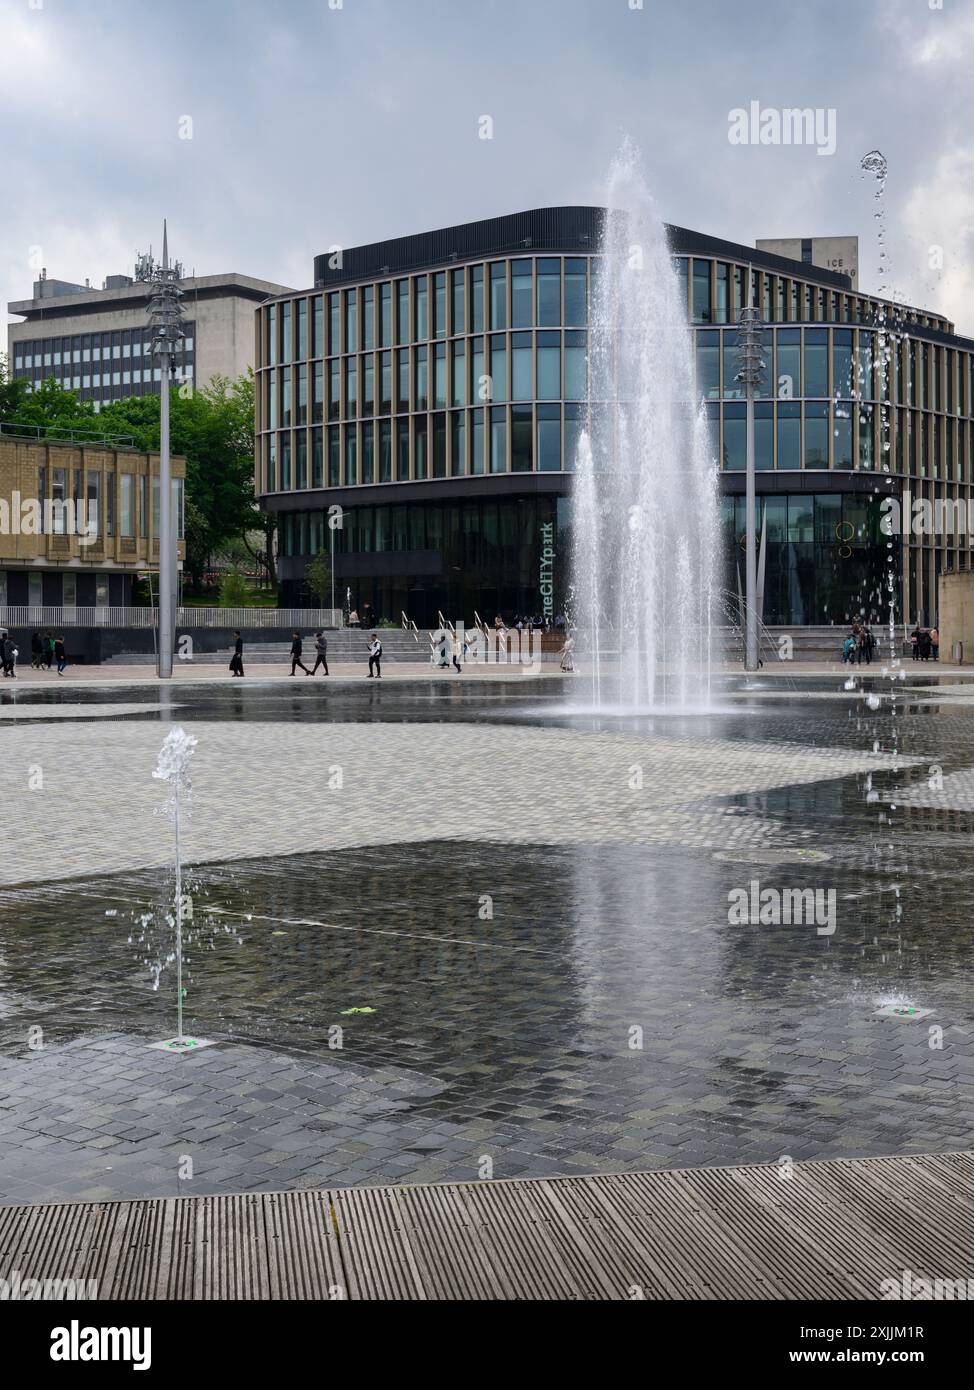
(234, 590)
(318, 577)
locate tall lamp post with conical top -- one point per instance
(166, 318)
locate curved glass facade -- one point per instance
(465, 381)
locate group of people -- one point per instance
(925, 643)
(45, 652)
(366, 619)
(321, 655)
(859, 645)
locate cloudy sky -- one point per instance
(335, 122)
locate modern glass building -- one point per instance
(433, 387)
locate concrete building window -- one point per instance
(548, 439)
(69, 591)
(476, 324)
(422, 312)
(368, 318)
(549, 293)
(58, 498)
(498, 294)
(35, 590)
(521, 294)
(498, 439)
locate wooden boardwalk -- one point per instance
(832, 1229)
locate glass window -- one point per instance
(351, 457)
(498, 439)
(368, 317)
(402, 450)
(334, 458)
(816, 435)
(385, 315)
(789, 434)
(549, 366)
(477, 299)
(842, 379)
(816, 363)
(285, 332)
(420, 461)
(477, 442)
(271, 335)
(439, 446)
(521, 361)
(723, 291)
(735, 437)
(439, 304)
(351, 388)
(459, 373)
(457, 443)
(521, 439)
(368, 384)
(548, 439)
(459, 319)
(302, 328)
(576, 367)
(574, 424)
(127, 504)
(318, 393)
(368, 453)
(385, 455)
(385, 383)
(402, 326)
(788, 380)
(708, 365)
(480, 384)
(334, 327)
(285, 396)
(421, 397)
(866, 451)
(334, 389)
(576, 310)
(521, 294)
(301, 461)
(498, 295)
(284, 453)
(439, 376)
(351, 320)
(549, 292)
(702, 308)
(271, 474)
(317, 460)
(763, 436)
(402, 388)
(498, 368)
(842, 434)
(422, 308)
(318, 328)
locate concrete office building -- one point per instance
(434, 387)
(97, 342)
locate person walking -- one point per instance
(567, 663)
(236, 661)
(296, 654)
(375, 657)
(915, 643)
(8, 652)
(36, 650)
(457, 652)
(321, 652)
(935, 643)
(48, 645)
(60, 656)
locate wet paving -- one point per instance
(445, 1009)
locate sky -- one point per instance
(267, 131)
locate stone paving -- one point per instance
(530, 959)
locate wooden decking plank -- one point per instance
(833, 1229)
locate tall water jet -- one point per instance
(645, 554)
(173, 768)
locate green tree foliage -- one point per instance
(318, 577)
(213, 428)
(234, 590)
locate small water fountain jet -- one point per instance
(173, 767)
(645, 509)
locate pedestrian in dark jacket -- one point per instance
(60, 656)
(36, 650)
(48, 645)
(236, 661)
(296, 654)
(9, 654)
(321, 652)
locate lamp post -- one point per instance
(751, 369)
(165, 316)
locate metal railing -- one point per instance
(23, 615)
(408, 625)
(52, 434)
